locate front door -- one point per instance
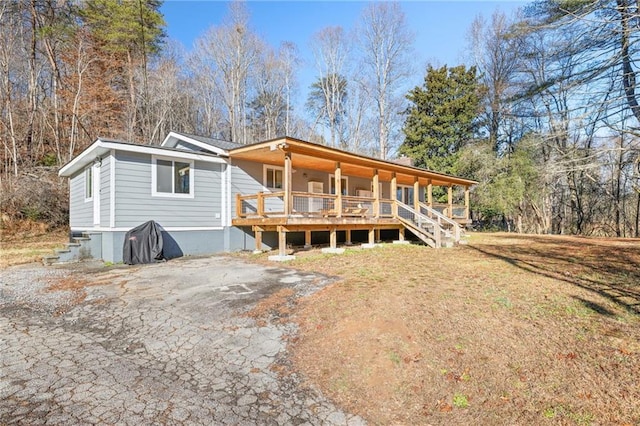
(95, 179)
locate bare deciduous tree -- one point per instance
(231, 51)
(331, 49)
(496, 54)
(385, 43)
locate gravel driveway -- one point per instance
(156, 344)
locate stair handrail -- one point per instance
(437, 228)
(456, 226)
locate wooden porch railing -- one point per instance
(457, 211)
(264, 204)
(448, 224)
(254, 204)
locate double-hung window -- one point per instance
(273, 177)
(88, 183)
(172, 178)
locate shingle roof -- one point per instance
(165, 148)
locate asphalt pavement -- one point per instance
(165, 343)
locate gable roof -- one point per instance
(217, 146)
(103, 146)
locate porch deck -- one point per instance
(309, 212)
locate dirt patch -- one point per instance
(508, 330)
(275, 308)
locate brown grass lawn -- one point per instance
(29, 245)
(509, 329)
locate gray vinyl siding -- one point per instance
(135, 204)
(246, 178)
(105, 192)
(80, 211)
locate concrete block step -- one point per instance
(50, 260)
(78, 249)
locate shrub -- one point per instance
(38, 195)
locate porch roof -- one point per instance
(319, 157)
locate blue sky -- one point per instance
(440, 27)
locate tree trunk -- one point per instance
(628, 75)
(638, 217)
(132, 113)
(33, 83)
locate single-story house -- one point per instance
(210, 196)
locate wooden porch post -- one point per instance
(333, 238)
(376, 193)
(450, 201)
(372, 236)
(260, 203)
(307, 239)
(338, 186)
(258, 237)
(466, 202)
(282, 241)
(347, 237)
(416, 194)
(239, 212)
(401, 234)
(394, 193)
(287, 183)
(430, 194)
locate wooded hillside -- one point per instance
(544, 114)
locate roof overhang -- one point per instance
(101, 148)
(172, 140)
(319, 157)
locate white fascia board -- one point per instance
(100, 147)
(82, 160)
(170, 137)
(175, 136)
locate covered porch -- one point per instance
(361, 192)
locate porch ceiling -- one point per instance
(318, 157)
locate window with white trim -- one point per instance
(172, 177)
(88, 183)
(273, 177)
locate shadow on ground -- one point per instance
(608, 267)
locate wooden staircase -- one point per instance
(430, 226)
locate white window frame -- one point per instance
(266, 167)
(88, 183)
(154, 177)
(332, 181)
